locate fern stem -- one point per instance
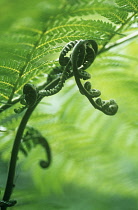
(15, 149)
(14, 154)
(119, 42)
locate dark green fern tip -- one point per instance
(109, 107)
(44, 164)
(30, 94)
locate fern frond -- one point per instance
(32, 138)
(114, 14)
(30, 45)
(128, 5)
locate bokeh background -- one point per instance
(94, 156)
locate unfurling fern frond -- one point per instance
(30, 93)
(28, 99)
(82, 56)
(29, 53)
(31, 139)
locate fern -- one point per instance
(33, 44)
(80, 137)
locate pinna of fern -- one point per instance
(27, 60)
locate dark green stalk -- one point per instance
(14, 155)
(16, 145)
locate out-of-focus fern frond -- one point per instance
(94, 156)
(114, 14)
(128, 5)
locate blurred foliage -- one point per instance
(94, 157)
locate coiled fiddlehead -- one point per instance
(86, 55)
(31, 139)
(109, 107)
(29, 97)
(82, 56)
(30, 94)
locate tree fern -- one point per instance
(37, 43)
(81, 138)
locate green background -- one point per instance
(94, 156)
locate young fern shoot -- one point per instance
(83, 53)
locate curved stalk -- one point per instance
(16, 145)
(14, 155)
